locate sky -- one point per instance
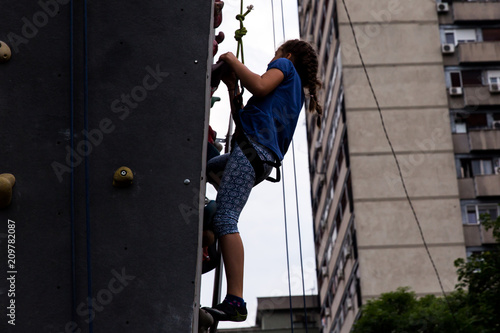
(262, 222)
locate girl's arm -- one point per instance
(259, 86)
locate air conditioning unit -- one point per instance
(496, 124)
(495, 88)
(324, 271)
(497, 170)
(349, 303)
(455, 91)
(327, 312)
(340, 274)
(443, 7)
(448, 48)
(347, 252)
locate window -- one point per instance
(329, 252)
(478, 167)
(474, 212)
(477, 121)
(326, 210)
(460, 125)
(449, 37)
(456, 79)
(491, 34)
(472, 78)
(460, 36)
(465, 35)
(482, 167)
(493, 76)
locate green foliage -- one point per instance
(402, 312)
(479, 275)
(475, 305)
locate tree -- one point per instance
(474, 307)
(479, 275)
(401, 311)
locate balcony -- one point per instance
(487, 185)
(473, 97)
(479, 52)
(475, 235)
(488, 139)
(476, 11)
(479, 186)
(466, 188)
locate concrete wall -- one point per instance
(400, 44)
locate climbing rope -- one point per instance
(399, 167)
(238, 36)
(242, 31)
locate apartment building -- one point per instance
(278, 314)
(435, 70)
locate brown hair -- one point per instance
(305, 61)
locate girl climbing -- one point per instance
(264, 130)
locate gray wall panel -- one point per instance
(149, 231)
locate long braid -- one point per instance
(305, 61)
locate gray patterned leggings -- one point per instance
(238, 179)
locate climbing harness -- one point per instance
(257, 163)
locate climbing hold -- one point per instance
(220, 37)
(218, 13)
(215, 48)
(5, 52)
(205, 321)
(215, 99)
(7, 181)
(123, 177)
(218, 71)
(208, 238)
(208, 216)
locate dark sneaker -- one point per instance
(227, 312)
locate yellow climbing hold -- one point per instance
(123, 177)
(5, 52)
(7, 181)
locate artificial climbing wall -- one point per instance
(87, 256)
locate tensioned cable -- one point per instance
(398, 166)
(296, 196)
(287, 252)
(300, 236)
(72, 166)
(284, 202)
(87, 173)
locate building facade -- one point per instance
(435, 70)
(273, 315)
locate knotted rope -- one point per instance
(242, 31)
